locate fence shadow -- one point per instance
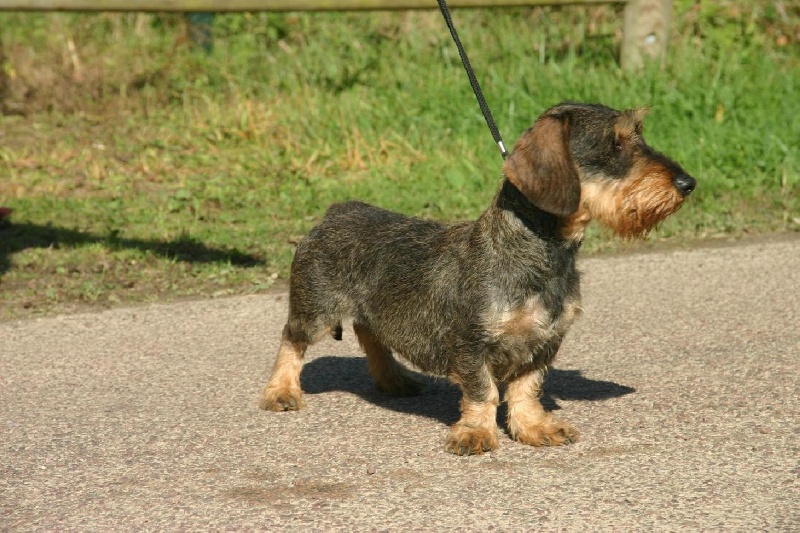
(439, 400)
(17, 237)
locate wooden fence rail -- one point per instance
(645, 26)
(267, 5)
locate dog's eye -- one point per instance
(617, 145)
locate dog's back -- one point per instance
(351, 229)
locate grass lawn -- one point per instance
(140, 169)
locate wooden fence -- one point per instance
(645, 25)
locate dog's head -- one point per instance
(585, 161)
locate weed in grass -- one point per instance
(140, 170)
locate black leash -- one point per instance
(476, 88)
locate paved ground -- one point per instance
(682, 376)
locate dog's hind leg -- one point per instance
(390, 376)
(283, 392)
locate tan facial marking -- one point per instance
(631, 207)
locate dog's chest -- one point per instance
(522, 330)
(533, 318)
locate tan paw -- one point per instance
(465, 440)
(274, 399)
(550, 432)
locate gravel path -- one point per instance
(682, 377)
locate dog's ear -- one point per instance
(629, 124)
(541, 167)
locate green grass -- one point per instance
(144, 170)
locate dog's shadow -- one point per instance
(439, 399)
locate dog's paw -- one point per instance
(465, 440)
(273, 399)
(549, 432)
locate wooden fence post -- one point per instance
(646, 31)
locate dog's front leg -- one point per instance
(476, 431)
(528, 422)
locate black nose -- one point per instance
(684, 183)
